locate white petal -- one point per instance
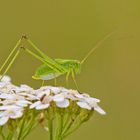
(58, 98)
(9, 107)
(92, 100)
(23, 103)
(42, 106)
(3, 120)
(2, 114)
(28, 96)
(6, 96)
(7, 102)
(63, 104)
(55, 90)
(25, 87)
(17, 114)
(2, 84)
(100, 110)
(84, 105)
(80, 96)
(6, 78)
(35, 104)
(85, 95)
(72, 97)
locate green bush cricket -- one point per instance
(51, 68)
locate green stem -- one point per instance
(27, 129)
(61, 123)
(50, 114)
(61, 127)
(66, 120)
(71, 123)
(69, 126)
(21, 129)
(1, 133)
(3, 137)
(10, 135)
(17, 44)
(51, 129)
(74, 129)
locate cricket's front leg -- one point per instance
(67, 78)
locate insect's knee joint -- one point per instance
(24, 37)
(22, 48)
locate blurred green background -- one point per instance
(69, 29)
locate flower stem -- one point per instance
(21, 129)
(65, 135)
(3, 136)
(61, 127)
(51, 129)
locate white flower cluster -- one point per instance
(15, 99)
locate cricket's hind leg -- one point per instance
(10, 64)
(11, 55)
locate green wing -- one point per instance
(44, 72)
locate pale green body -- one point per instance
(44, 72)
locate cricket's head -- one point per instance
(76, 66)
(69, 64)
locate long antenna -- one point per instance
(97, 46)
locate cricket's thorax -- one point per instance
(70, 65)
